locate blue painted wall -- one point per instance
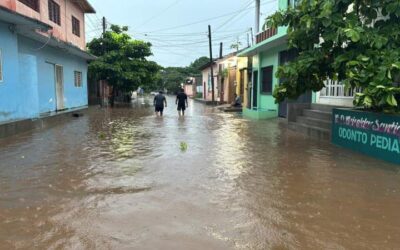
(47, 57)
(28, 86)
(9, 51)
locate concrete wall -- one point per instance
(10, 99)
(28, 86)
(242, 69)
(47, 57)
(63, 31)
(207, 95)
(269, 58)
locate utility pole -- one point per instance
(104, 25)
(211, 64)
(248, 39)
(221, 45)
(257, 16)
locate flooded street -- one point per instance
(120, 179)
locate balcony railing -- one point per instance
(337, 90)
(264, 35)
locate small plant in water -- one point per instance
(102, 136)
(184, 146)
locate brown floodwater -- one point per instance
(121, 179)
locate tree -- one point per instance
(356, 42)
(172, 77)
(196, 64)
(122, 61)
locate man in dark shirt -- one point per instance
(182, 102)
(159, 102)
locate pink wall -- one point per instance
(63, 31)
(10, 4)
(207, 95)
(188, 88)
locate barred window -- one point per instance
(78, 79)
(54, 12)
(76, 26)
(33, 4)
(1, 66)
(267, 80)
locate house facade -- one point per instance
(264, 58)
(43, 62)
(206, 79)
(225, 79)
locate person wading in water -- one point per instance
(182, 102)
(159, 103)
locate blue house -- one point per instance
(43, 62)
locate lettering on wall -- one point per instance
(375, 134)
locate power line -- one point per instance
(159, 13)
(200, 21)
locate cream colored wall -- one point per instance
(335, 101)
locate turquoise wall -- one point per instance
(266, 102)
(28, 86)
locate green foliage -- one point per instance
(353, 41)
(122, 61)
(172, 77)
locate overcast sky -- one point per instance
(178, 28)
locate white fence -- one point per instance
(337, 89)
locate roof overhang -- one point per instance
(58, 44)
(207, 65)
(264, 46)
(21, 22)
(85, 6)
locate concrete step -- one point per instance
(324, 124)
(314, 132)
(317, 114)
(323, 107)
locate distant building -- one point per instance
(43, 58)
(225, 79)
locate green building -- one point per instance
(269, 51)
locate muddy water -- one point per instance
(118, 179)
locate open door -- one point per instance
(59, 75)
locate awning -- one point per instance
(264, 46)
(21, 22)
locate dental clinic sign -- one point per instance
(374, 134)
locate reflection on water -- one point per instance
(118, 179)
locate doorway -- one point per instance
(255, 90)
(59, 78)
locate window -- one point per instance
(293, 3)
(54, 12)
(76, 26)
(267, 80)
(78, 79)
(1, 67)
(33, 4)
